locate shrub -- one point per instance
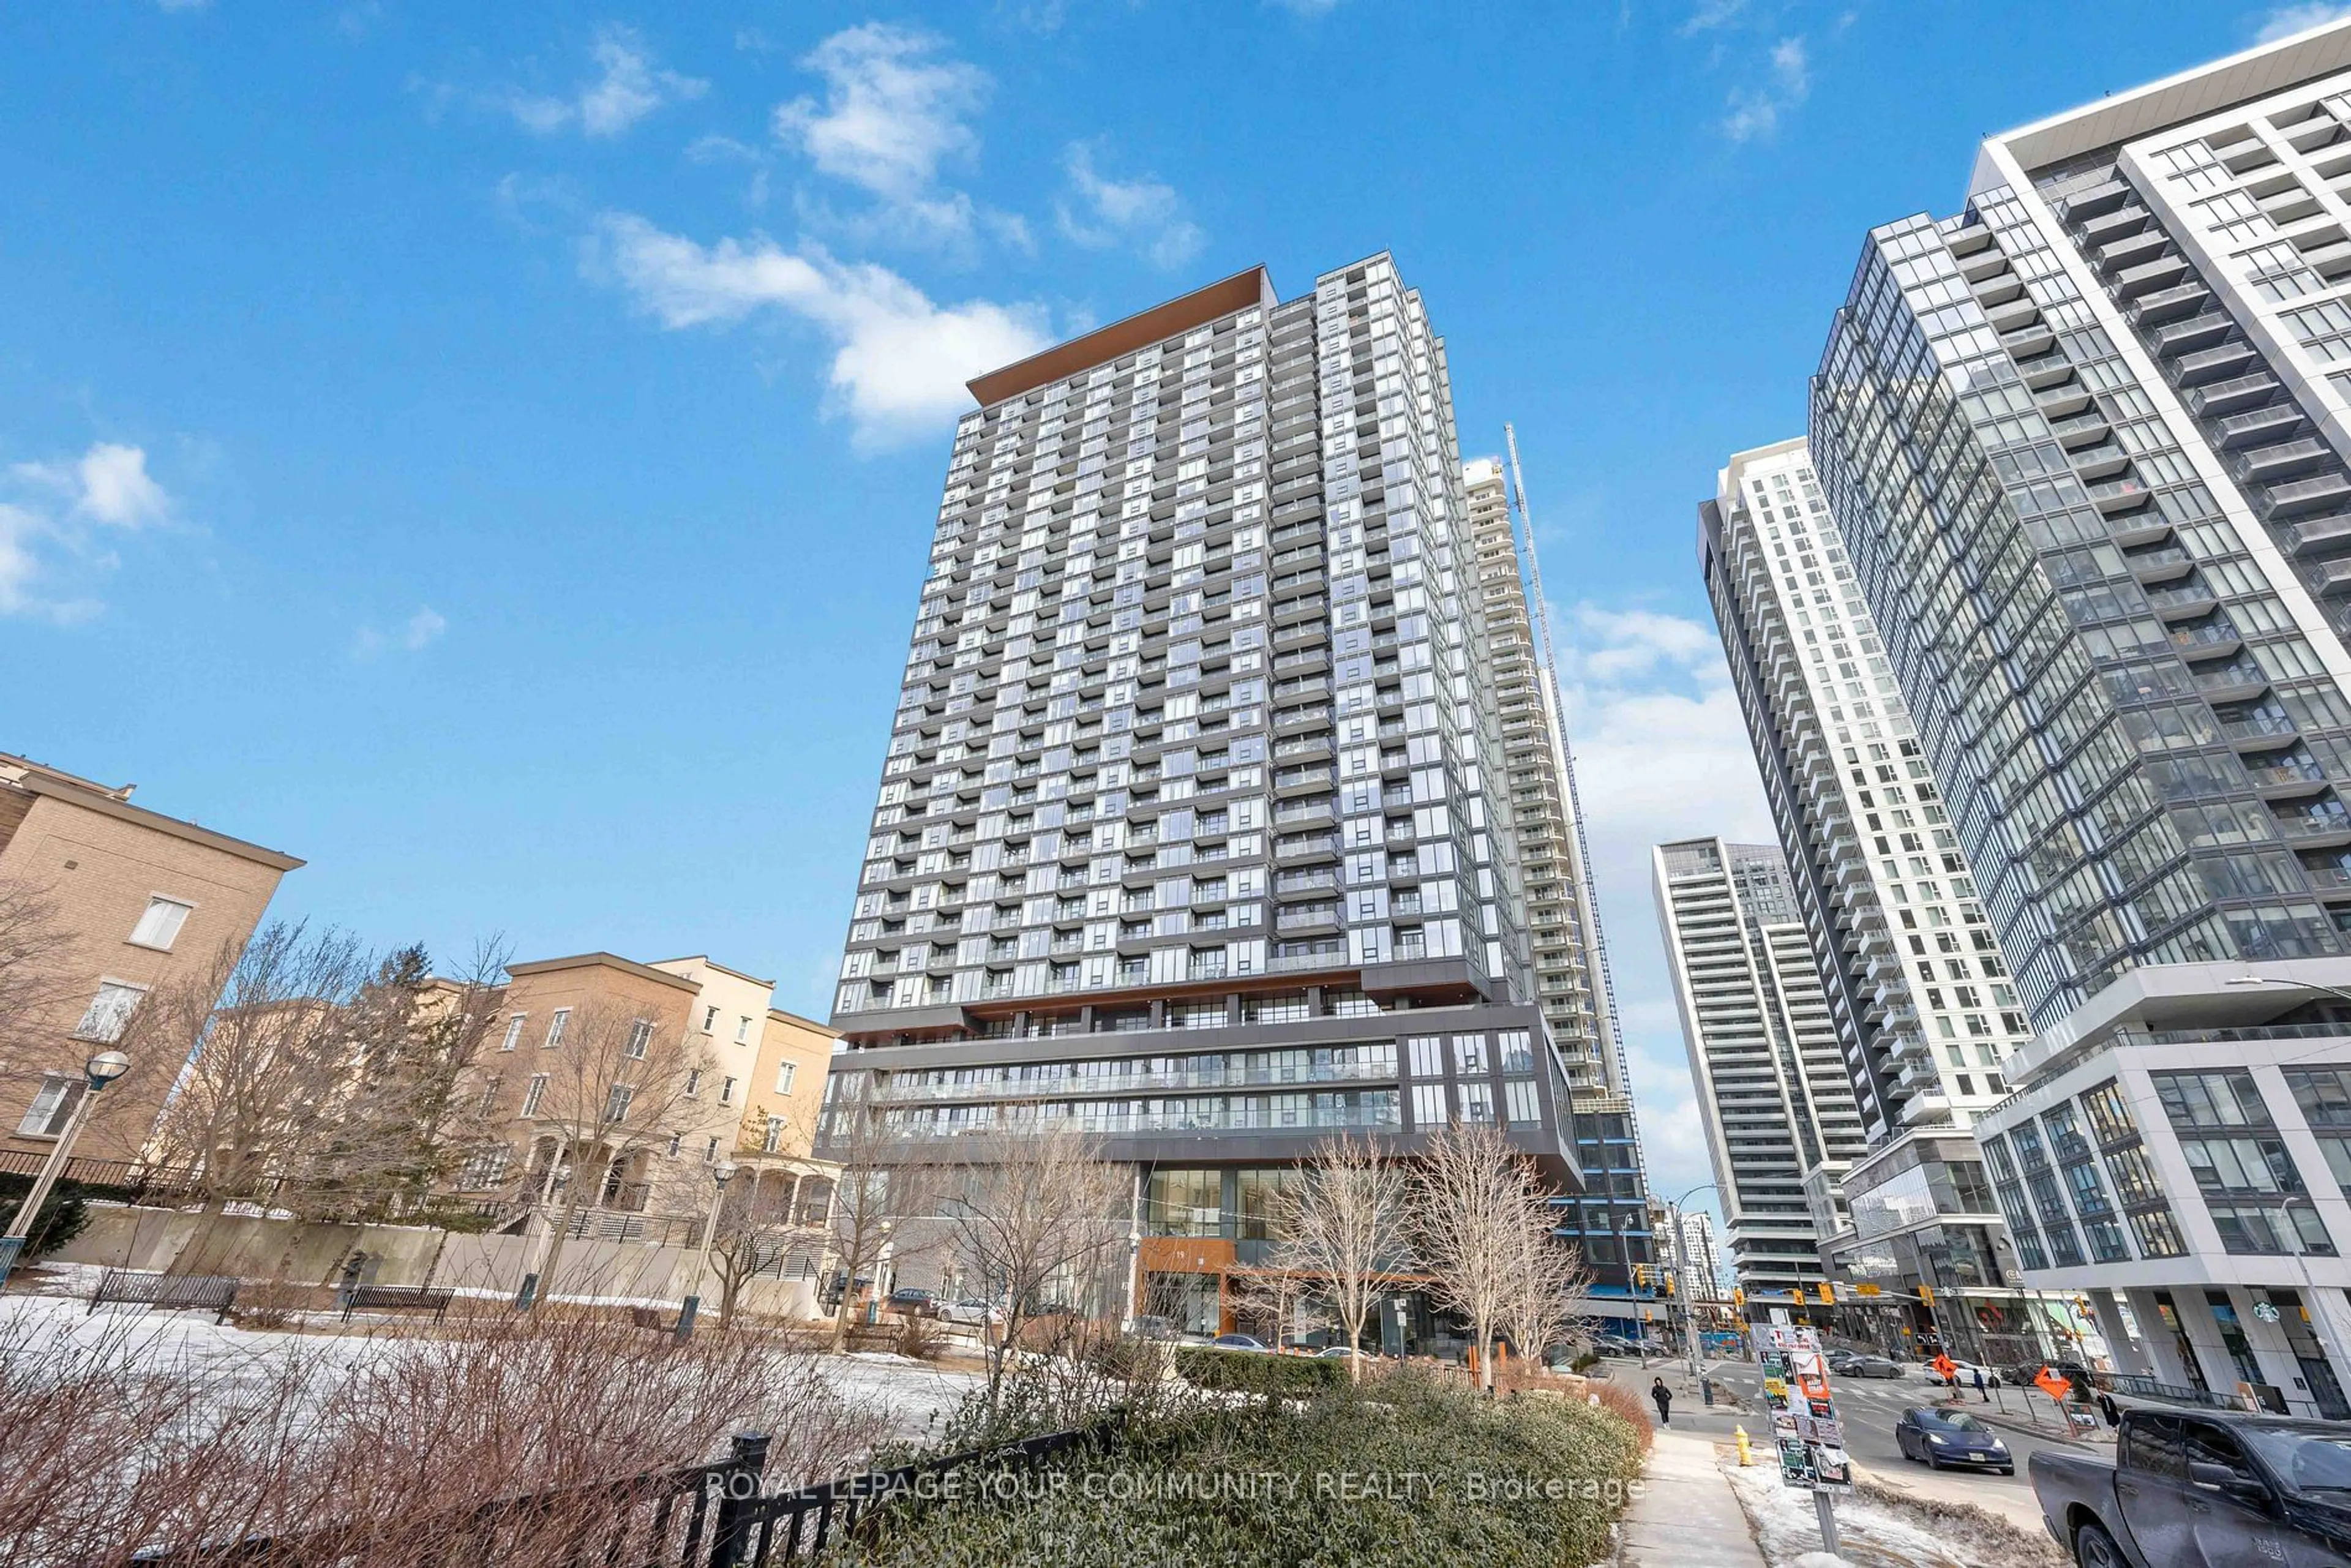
(1625, 1404)
(61, 1218)
(1253, 1372)
(921, 1338)
(115, 1446)
(1411, 1470)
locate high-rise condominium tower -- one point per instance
(2085, 442)
(1772, 1084)
(1924, 1008)
(1191, 832)
(1562, 918)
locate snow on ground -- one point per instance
(1880, 1533)
(912, 1392)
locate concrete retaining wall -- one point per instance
(306, 1253)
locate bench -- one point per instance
(396, 1298)
(173, 1292)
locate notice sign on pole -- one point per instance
(1805, 1427)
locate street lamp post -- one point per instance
(720, 1175)
(96, 1072)
(1133, 1276)
(1689, 1316)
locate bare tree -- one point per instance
(411, 1122)
(267, 1064)
(1470, 1209)
(1550, 1279)
(1341, 1224)
(36, 985)
(758, 1227)
(618, 1087)
(883, 1179)
(1037, 1213)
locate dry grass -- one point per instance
(104, 1451)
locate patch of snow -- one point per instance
(1874, 1533)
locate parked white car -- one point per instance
(971, 1312)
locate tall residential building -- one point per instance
(1925, 1010)
(1192, 831)
(2085, 442)
(112, 901)
(1764, 1054)
(1701, 1261)
(1562, 917)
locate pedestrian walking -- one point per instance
(1980, 1386)
(1665, 1399)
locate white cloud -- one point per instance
(895, 110)
(2285, 21)
(629, 86)
(899, 359)
(1710, 15)
(1755, 109)
(61, 513)
(1661, 753)
(420, 632)
(1143, 212)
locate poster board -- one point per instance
(1806, 1429)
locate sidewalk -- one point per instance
(1687, 1516)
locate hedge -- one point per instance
(1408, 1470)
(1255, 1372)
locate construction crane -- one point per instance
(1587, 893)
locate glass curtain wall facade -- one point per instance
(1764, 1054)
(2085, 443)
(1191, 831)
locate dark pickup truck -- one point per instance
(2204, 1488)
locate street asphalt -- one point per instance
(1869, 1407)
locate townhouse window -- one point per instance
(693, 1082)
(555, 1027)
(775, 1138)
(513, 1036)
(53, 1106)
(533, 1094)
(490, 1091)
(674, 1140)
(742, 1031)
(785, 1074)
(158, 927)
(709, 1020)
(640, 1036)
(616, 1103)
(727, 1092)
(710, 1154)
(109, 1011)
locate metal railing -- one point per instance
(717, 1515)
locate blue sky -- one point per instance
(489, 451)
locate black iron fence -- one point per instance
(717, 1515)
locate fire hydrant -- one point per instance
(1746, 1454)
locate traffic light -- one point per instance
(1668, 1284)
(1738, 1295)
(1640, 1276)
(1927, 1294)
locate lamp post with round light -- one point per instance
(720, 1175)
(96, 1072)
